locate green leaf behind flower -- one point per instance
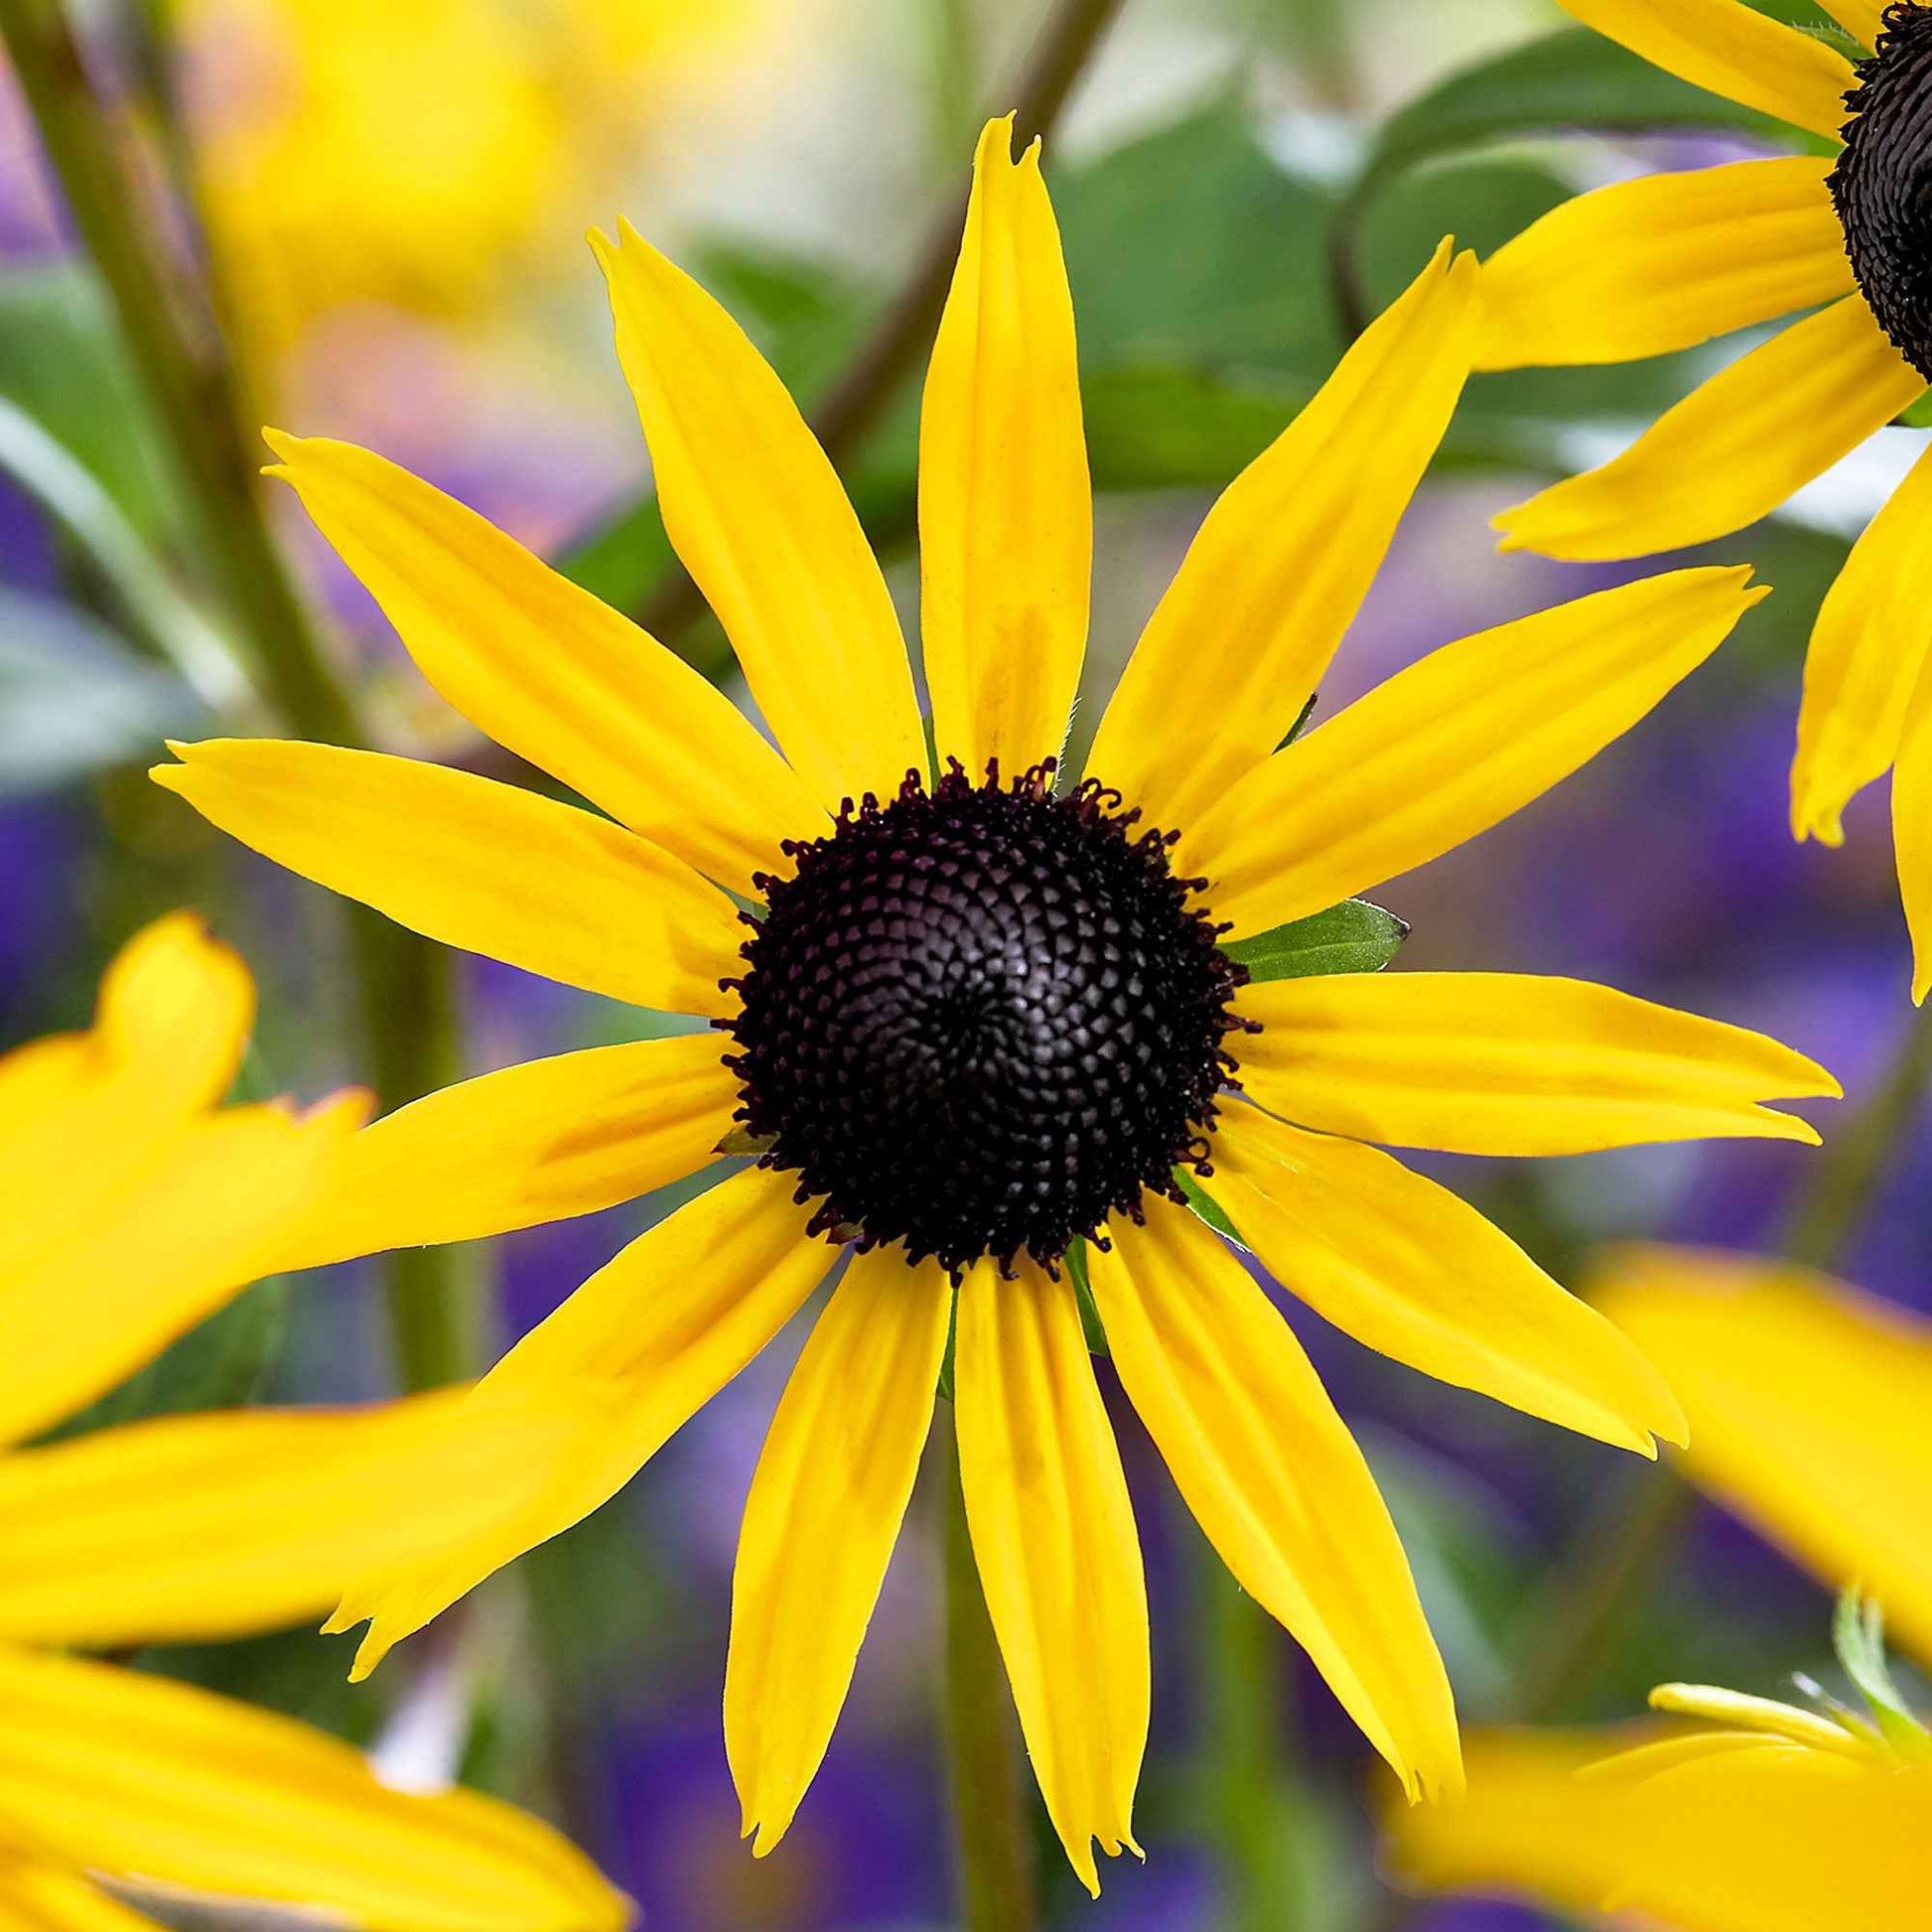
(1352, 937)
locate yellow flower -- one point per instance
(1672, 261)
(1780, 1820)
(983, 1025)
(1807, 1402)
(135, 1206)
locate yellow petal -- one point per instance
(1807, 1403)
(1418, 1275)
(475, 863)
(1730, 49)
(1772, 1840)
(197, 1527)
(831, 1490)
(1278, 571)
(1862, 19)
(1511, 1063)
(1005, 510)
(540, 1142)
(1911, 832)
(1445, 748)
(1664, 262)
(762, 524)
(637, 1350)
(1276, 1480)
(1058, 1557)
(38, 1896)
(1867, 649)
(1735, 449)
(176, 1009)
(125, 1773)
(149, 1233)
(551, 672)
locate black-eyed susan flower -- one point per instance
(1807, 1402)
(1668, 261)
(135, 1206)
(1752, 1815)
(982, 1020)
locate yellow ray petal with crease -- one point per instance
(205, 1526)
(824, 1512)
(540, 1142)
(1511, 1063)
(551, 671)
(124, 1772)
(1446, 749)
(1869, 648)
(1911, 832)
(622, 1365)
(1276, 1480)
(483, 865)
(1807, 1403)
(764, 525)
(1277, 572)
(145, 1234)
(1418, 1275)
(1733, 449)
(1006, 508)
(37, 1894)
(1776, 1838)
(1059, 1556)
(1664, 262)
(1730, 49)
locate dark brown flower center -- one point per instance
(1883, 183)
(983, 1018)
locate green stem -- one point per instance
(181, 364)
(991, 1842)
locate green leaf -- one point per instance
(1571, 79)
(75, 700)
(1208, 1207)
(1352, 937)
(1858, 1637)
(1076, 1270)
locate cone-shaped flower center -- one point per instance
(982, 1020)
(1883, 183)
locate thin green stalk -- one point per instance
(992, 1846)
(181, 364)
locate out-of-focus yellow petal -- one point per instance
(1276, 1480)
(125, 1773)
(151, 1231)
(762, 524)
(1445, 748)
(1911, 832)
(831, 1490)
(1511, 1063)
(176, 1008)
(1278, 571)
(1005, 510)
(552, 672)
(1663, 262)
(1732, 450)
(1776, 1838)
(1416, 1274)
(1867, 650)
(540, 1142)
(475, 863)
(218, 1525)
(643, 1345)
(1730, 49)
(39, 1895)
(1059, 1556)
(1807, 1403)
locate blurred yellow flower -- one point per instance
(1808, 1404)
(417, 156)
(1672, 261)
(136, 1206)
(984, 1027)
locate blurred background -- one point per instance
(369, 218)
